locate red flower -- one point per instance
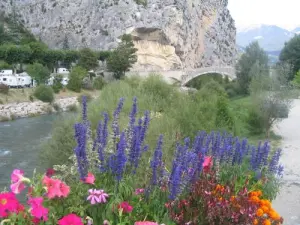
(50, 172)
(207, 164)
(125, 207)
(90, 179)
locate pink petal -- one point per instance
(17, 175)
(17, 187)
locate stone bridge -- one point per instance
(184, 76)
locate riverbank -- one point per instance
(17, 104)
(13, 111)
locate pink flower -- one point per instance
(90, 179)
(50, 172)
(97, 196)
(125, 207)
(18, 180)
(139, 191)
(207, 164)
(37, 210)
(145, 223)
(71, 219)
(55, 188)
(9, 204)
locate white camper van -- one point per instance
(6, 72)
(9, 80)
(24, 80)
(63, 71)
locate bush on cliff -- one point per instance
(44, 93)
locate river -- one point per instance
(20, 144)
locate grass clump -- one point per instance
(44, 93)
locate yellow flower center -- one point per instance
(3, 201)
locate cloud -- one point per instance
(284, 13)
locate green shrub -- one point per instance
(72, 108)
(57, 85)
(1, 102)
(200, 81)
(44, 93)
(255, 122)
(98, 83)
(224, 118)
(56, 107)
(76, 77)
(5, 65)
(4, 89)
(134, 81)
(31, 98)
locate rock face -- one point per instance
(170, 34)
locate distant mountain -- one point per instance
(270, 37)
(296, 30)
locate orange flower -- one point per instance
(254, 199)
(259, 212)
(274, 215)
(267, 222)
(255, 221)
(265, 208)
(232, 198)
(259, 193)
(265, 203)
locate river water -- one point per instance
(20, 144)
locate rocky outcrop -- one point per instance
(27, 109)
(169, 34)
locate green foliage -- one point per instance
(51, 58)
(296, 80)
(270, 96)
(88, 98)
(66, 43)
(70, 57)
(103, 55)
(87, 59)
(141, 2)
(57, 85)
(38, 50)
(39, 73)
(76, 76)
(122, 58)
(200, 81)
(253, 61)
(98, 83)
(224, 118)
(291, 54)
(44, 93)
(255, 125)
(4, 65)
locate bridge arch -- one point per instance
(224, 71)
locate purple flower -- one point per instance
(156, 162)
(80, 150)
(121, 158)
(175, 181)
(273, 166)
(84, 108)
(115, 124)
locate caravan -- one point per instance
(24, 80)
(9, 80)
(17, 81)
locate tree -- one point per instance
(270, 96)
(52, 57)
(254, 55)
(103, 55)
(38, 50)
(291, 54)
(39, 73)
(17, 54)
(122, 58)
(76, 76)
(70, 57)
(87, 59)
(296, 80)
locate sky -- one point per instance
(283, 13)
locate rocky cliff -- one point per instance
(169, 34)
